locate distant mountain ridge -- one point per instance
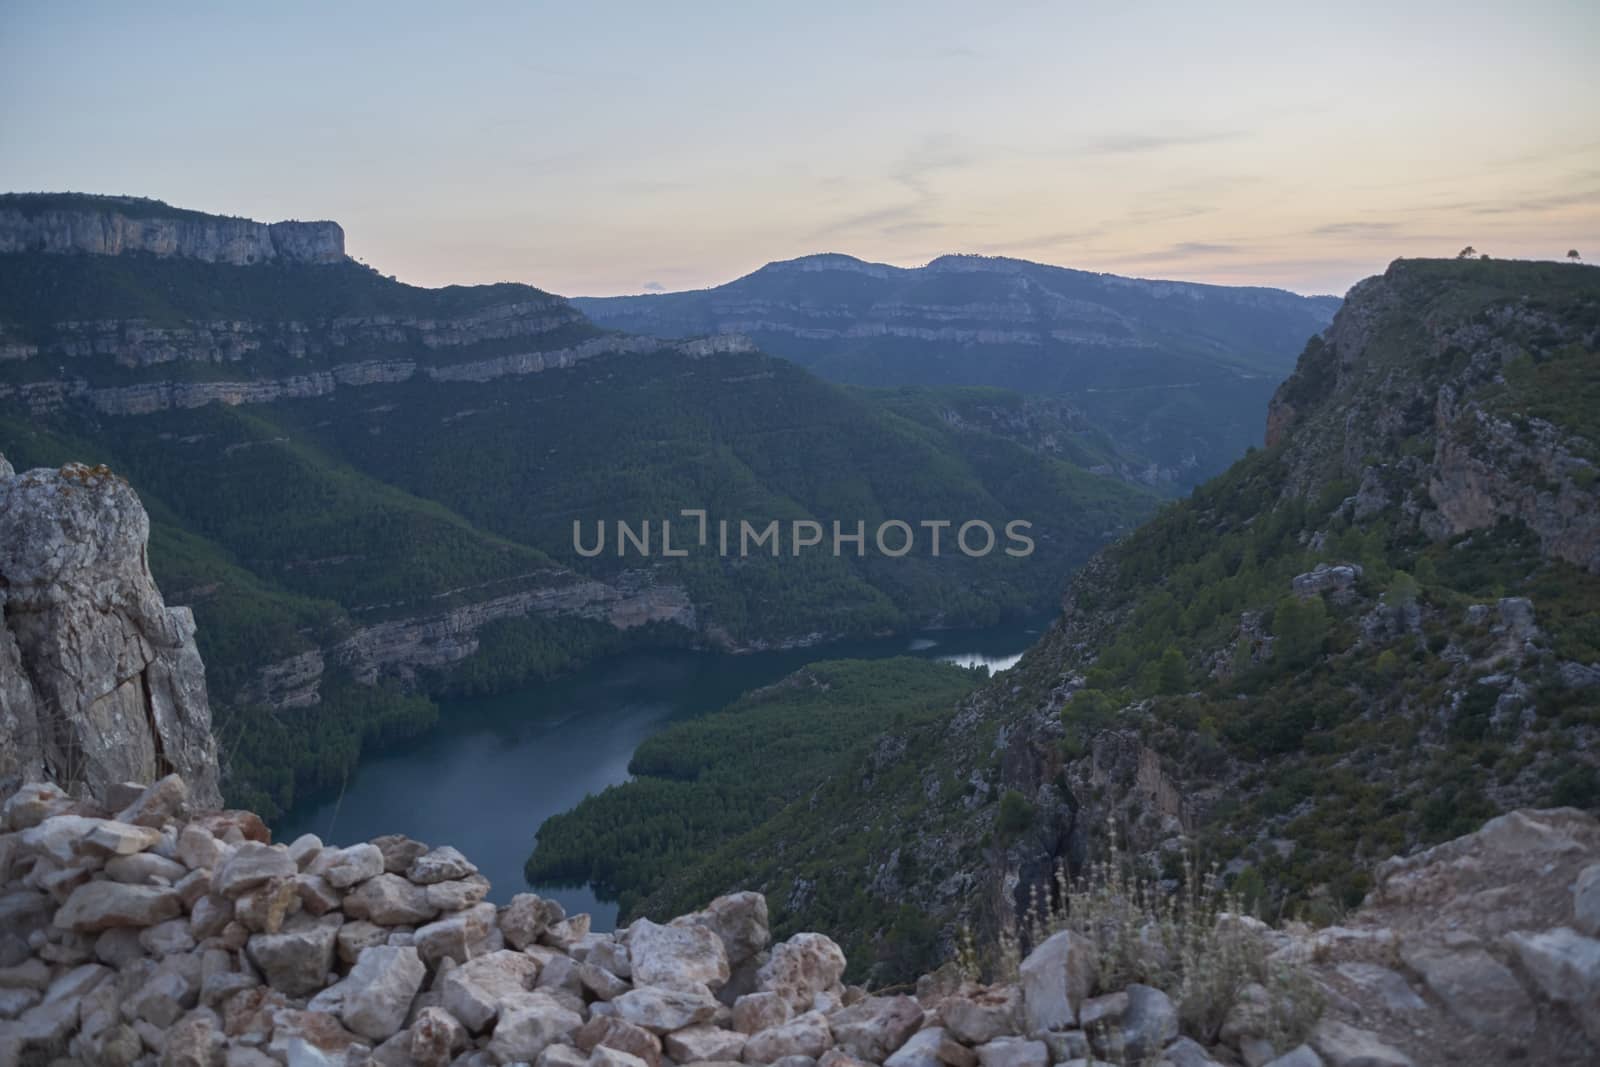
(65, 223)
(1179, 371)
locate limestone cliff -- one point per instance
(100, 681)
(1474, 378)
(118, 225)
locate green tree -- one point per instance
(1016, 814)
(1174, 676)
(1301, 627)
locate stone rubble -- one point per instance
(152, 935)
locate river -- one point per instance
(494, 768)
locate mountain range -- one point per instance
(1176, 373)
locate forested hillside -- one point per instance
(367, 491)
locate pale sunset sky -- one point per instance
(609, 147)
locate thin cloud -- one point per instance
(1130, 143)
(915, 170)
(654, 287)
(1356, 229)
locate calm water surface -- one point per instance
(495, 768)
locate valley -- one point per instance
(536, 752)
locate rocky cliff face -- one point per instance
(100, 681)
(114, 226)
(164, 394)
(1414, 360)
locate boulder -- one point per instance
(198, 849)
(607, 953)
(252, 864)
(59, 836)
(1342, 1045)
(399, 852)
(611, 1057)
(528, 1024)
(1013, 1052)
(920, 1050)
(305, 849)
(1149, 1023)
(800, 968)
(623, 1036)
(97, 906)
(1586, 900)
(167, 938)
(347, 867)
(111, 838)
(296, 960)
(527, 917)
(312, 1038)
(442, 864)
(162, 999)
(600, 982)
(436, 1036)
(264, 908)
(1565, 965)
(356, 936)
(389, 900)
(1104, 1010)
(979, 1017)
(1477, 989)
(1300, 1056)
(33, 803)
(567, 934)
(838, 1057)
(162, 802)
(473, 992)
(560, 974)
(662, 1010)
(739, 919)
(316, 895)
(562, 1056)
(379, 990)
(145, 868)
(804, 1035)
(694, 1044)
(873, 1028)
(754, 1012)
(459, 936)
(675, 955)
(1055, 978)
(458, 894)
(196, 1041)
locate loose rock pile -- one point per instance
(140, 932)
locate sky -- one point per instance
(599, 147)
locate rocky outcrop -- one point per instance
(47, 395)
(1403, 396)
(113, 226)
(186, 936)
(1478, 950)
(100, 681)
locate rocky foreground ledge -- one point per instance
(137, 931)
